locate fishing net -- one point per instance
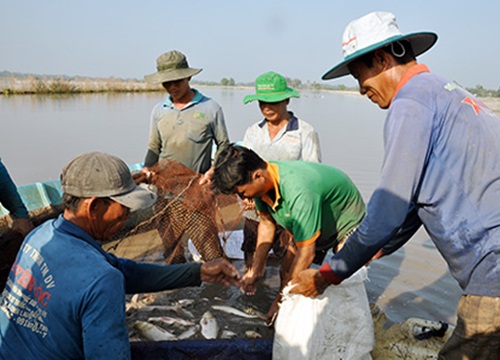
(185, 210)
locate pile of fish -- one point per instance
(150, 320)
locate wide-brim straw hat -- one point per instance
(171, 66)
(271, 87)
(373, 31)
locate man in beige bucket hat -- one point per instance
(441, 170)
(186, 125)
(184, 128)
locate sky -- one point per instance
(236, 39)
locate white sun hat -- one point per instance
(371, 32)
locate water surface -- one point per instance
(41, 133)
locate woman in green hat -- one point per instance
(280, 135)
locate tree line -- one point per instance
(478, 90)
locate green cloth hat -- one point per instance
(271, 87)
(371, 32)
(171, 66)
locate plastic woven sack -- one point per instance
(335, 325)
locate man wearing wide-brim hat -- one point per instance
(184, 128)
(441, 170)
(187, 124)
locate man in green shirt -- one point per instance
(317, 203)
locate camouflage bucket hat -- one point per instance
(271, 87)
(171, 66)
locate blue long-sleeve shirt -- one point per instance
(65, 296)
(441, 169)
(9, 197)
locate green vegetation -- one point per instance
(227, 82)
(480, 91)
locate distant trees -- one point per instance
(480, 91)
(227, 82)
(294, 83)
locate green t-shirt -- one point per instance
(314, 197)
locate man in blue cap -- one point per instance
(441, 170)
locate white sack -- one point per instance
(336, 325)
(231, 247)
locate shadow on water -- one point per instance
(381, 273)
(414, 282)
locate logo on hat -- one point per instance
(271, 87)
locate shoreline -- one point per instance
(59, 86)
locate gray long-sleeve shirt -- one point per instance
(187, 135)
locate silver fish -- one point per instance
(137, 302)
(228, 334)
(189, 332)
(233, 311)
(171, 320)
(252, 334)
(209, 326)
(152, 332)
(185, 302)
(178, 309)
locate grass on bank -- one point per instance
(14, 86)
(62, 85)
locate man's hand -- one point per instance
(220, 271)
(248, 281)
(22, 225)
(206, 178)
(248, 204)
(144, 176)
(309, 283)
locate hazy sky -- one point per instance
(235, 38)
